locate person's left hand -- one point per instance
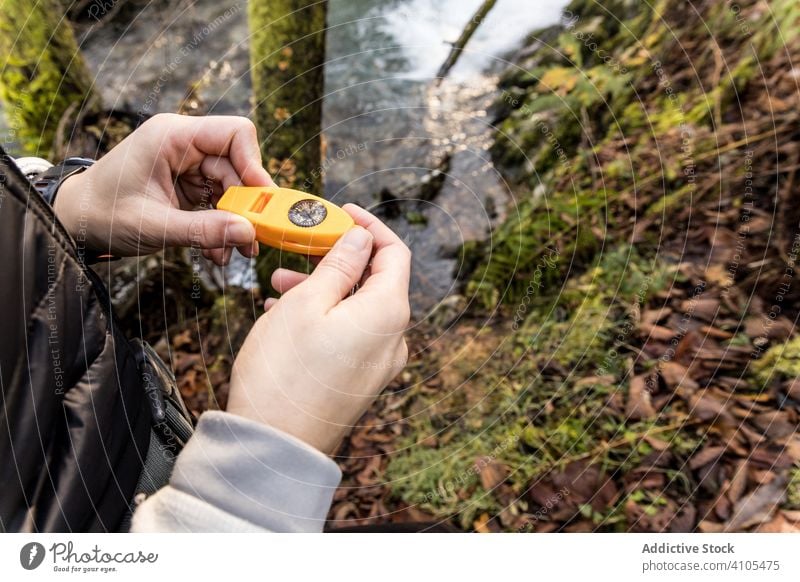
(142, 195)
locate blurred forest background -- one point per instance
(601, 201)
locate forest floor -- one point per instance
(630, 360)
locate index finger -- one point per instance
(391, 262)
(231, 137)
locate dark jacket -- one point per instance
(75, 422)
(90, 421)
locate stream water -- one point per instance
(389, 129)
(380, 93)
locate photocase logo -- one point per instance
(31, 555)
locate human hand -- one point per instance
(315, 361)
(141, 196)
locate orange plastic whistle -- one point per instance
(287, 219)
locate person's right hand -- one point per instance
(318, 358)
(144, 194)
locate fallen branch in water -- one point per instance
(462, 41)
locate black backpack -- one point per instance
(89, 422)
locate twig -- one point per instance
(462, 41)
(61, 141)
(621, 441)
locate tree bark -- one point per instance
(287, 56)
(43, 76)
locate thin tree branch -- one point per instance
(462, 41)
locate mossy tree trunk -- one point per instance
(287, 54)
(42, 74)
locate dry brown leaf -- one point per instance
(705, 456)
(607, 380)
(657, 332)
(738, 482)
(792, 515)
(281, 114)
(709, 408)
(718, 275)
(707, 526)
(715, 332)
(791, 446)
(776, 423)
(481, 524)
(703, 308)
(778, 524)
(757, 506)
(345, 510)
(770, 458)
(582, 483)
(778, 329)
(654, 316)
(639, 404)
(792, 388)
(656, 443)
(491, 472)
(676, 375)
(182, 340)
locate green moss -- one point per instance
(43, 74)
(668, 204)
(287, 53)
(590, 151)
(781, 362)
(551, 233)
(571, 105)
(793, 489)
(517, 416)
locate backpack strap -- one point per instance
(172, 425)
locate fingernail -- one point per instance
(239, 232)
(357, 238)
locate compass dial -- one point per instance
(307, 213)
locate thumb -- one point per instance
(341, 268)
(208, 229)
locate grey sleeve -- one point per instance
(238, 475)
